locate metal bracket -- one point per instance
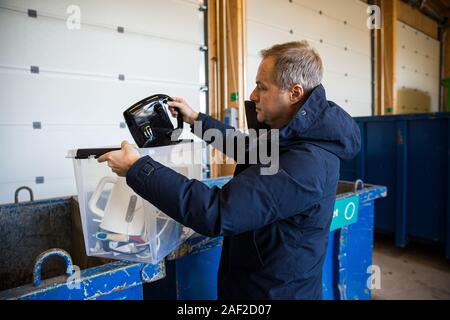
(34, 69)
(32, 13)
(39, 180)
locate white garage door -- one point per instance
(62, 87)
(337, 29)
(417, 71)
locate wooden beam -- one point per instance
(379, 96)
(446, 56)
(212, 59)
(227, 54)
(213, 66)
(389, 56)
(446, 66)
(236, 56)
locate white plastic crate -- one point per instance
(118, 223)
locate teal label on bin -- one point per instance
(345, 212)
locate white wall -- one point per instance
(337, 29)
(77, 96)
(417, 68)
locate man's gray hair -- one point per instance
(295, 63)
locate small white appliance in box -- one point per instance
(118, 223)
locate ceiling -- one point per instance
(436, 9)
(440, 6)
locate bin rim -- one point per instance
(375, 191)
(402, 117)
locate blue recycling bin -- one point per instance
(410, 155)
(41, 242)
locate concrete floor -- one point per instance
(415, 272)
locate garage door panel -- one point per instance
(42, 152)
(152, 16)
(56, 47)
(26, 98)
(418, 66)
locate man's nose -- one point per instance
(253, 96)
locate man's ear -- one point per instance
(297, 93)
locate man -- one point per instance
(275, 227)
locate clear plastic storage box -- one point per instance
(118, 223)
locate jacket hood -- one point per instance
(324, 124)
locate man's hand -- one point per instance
(121, 160)
(189, 114)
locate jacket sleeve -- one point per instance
(218, 133)
(247, 202)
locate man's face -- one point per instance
(273, 105)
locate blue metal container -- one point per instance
(410, 155)
(30, 231)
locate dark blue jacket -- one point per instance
(275, 227)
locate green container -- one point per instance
(446, 83)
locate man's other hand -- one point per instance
(120, 161)
(180, 105)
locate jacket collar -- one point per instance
(307, 114)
